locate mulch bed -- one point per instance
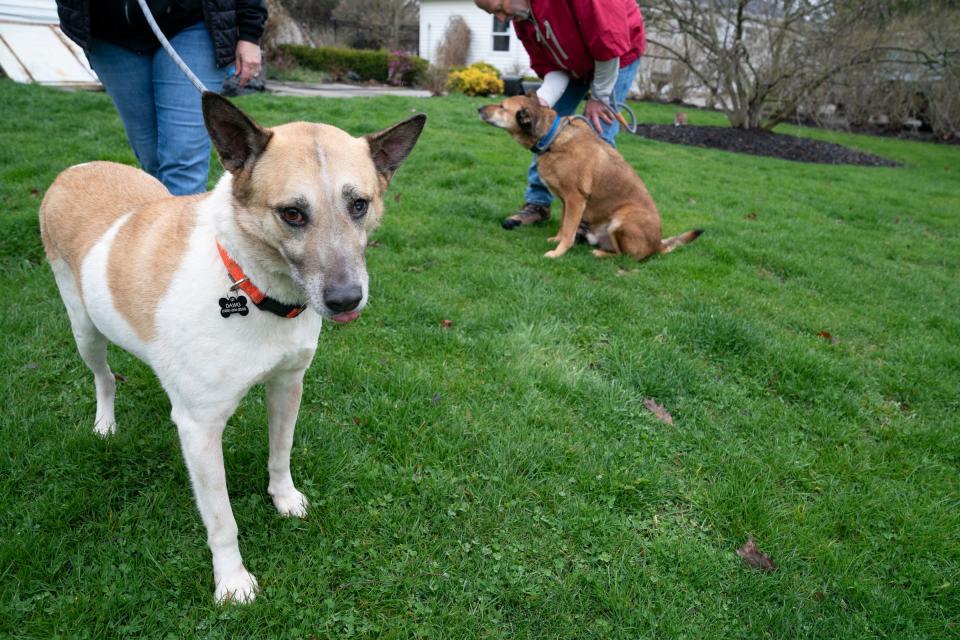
(762, 143)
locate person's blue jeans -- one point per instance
(159, 107)
(537, 192)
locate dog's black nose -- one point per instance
(342, 298)
(480, 109)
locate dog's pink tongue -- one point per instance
(346, 316)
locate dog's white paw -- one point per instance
(291, 504)
(239, 587)
(105, 428)
(553, 254)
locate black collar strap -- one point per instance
(278, 308)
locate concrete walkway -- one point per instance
(335, 90)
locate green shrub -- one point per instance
(367, 65)
(411, 69)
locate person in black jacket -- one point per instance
(159, 107)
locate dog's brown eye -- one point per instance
(358, 208)
(293, 216)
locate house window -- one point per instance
(501, 35)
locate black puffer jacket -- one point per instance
(226, 20)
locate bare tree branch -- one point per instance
(765, 55)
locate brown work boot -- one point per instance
(529, 214)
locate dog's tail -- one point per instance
(669, 244)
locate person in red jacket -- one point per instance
(575, 46)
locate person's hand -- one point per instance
(247, 61)
(543, 103)
(595, 111)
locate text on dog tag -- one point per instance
(233, 305)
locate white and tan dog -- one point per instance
(154, 274)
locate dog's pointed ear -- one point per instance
(237, 138)
(390, 147)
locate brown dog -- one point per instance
(594, 181)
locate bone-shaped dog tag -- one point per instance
(233, 305)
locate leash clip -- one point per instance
(236, 285)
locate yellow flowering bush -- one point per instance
(479, 79)
(485, 66)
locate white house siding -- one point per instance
(434, 17)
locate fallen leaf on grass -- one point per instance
(119, 377)
(34, 192)
(753, 557)
(751, 216)
(446, 324)
(31, 365)
(901, 405)
(657, 410)
(826, 335)
(396, 198)
(373, 244)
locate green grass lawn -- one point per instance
(501, 477)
